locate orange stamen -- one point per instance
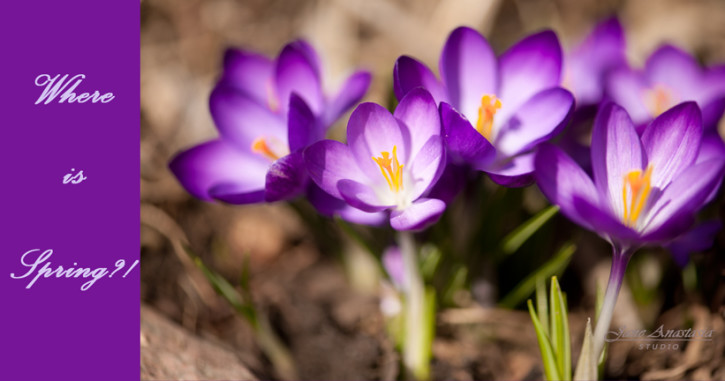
(639, 185)
(259, 146)
(391, 169)
(489, 105)
(658, 100)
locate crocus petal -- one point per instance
(286, 178)
(465, 144)
(530, 66)
(561, 179)
(372, 130)
(672, 142)
(241, 120)
(427, 166)
(516, 172)
(675, 69)
(712, 147)
(714, 83)
(712, 112)
(361, 196)
(418, 111)
(303, 127)
(330, 206)
(305, 48)
(236, 194)
(409, 73)
(250, 73)
(330, 161)
(698, 238)
(671, 213)
(297, 72)
(586, 66)
(539, 119)
(419, 215)
(215, 164)
(468, 69)
(351, 92)
(616, 150)
(602, 222)
(628, 89)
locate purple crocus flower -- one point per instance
(267, 112)
(394, 266)
(670, 76)
(646, 189)
(585, 68)
(586, 65)
(698, 238)
(329, 206)
(495, 111)
(389, 162)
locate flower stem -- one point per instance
(415, 353)
(620, 259)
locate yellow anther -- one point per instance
(639, 187)
(658, 99)
(489, 105)
(260, 146)
(391, 169)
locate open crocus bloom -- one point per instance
(586, 66)
(389, 162)
(670, 76)
(646, 189)
(267, 112)
(494, 111)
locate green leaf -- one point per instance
(586, 368)
(428, 330)
(551, 370)
(599, 301)
(554, 266)
(430, 260)
(560, 339)
(542, 305)
(523, 232)
(228, 292)
(456, 283)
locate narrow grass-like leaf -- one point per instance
(586, 368)
(268, 340)
(542, 305)
(430, 259)
(523, 232)
(228, 292)
(428, 330)
(598, 308)
(554, 266)
(551, 369)
(560, 339)
(456, 283)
